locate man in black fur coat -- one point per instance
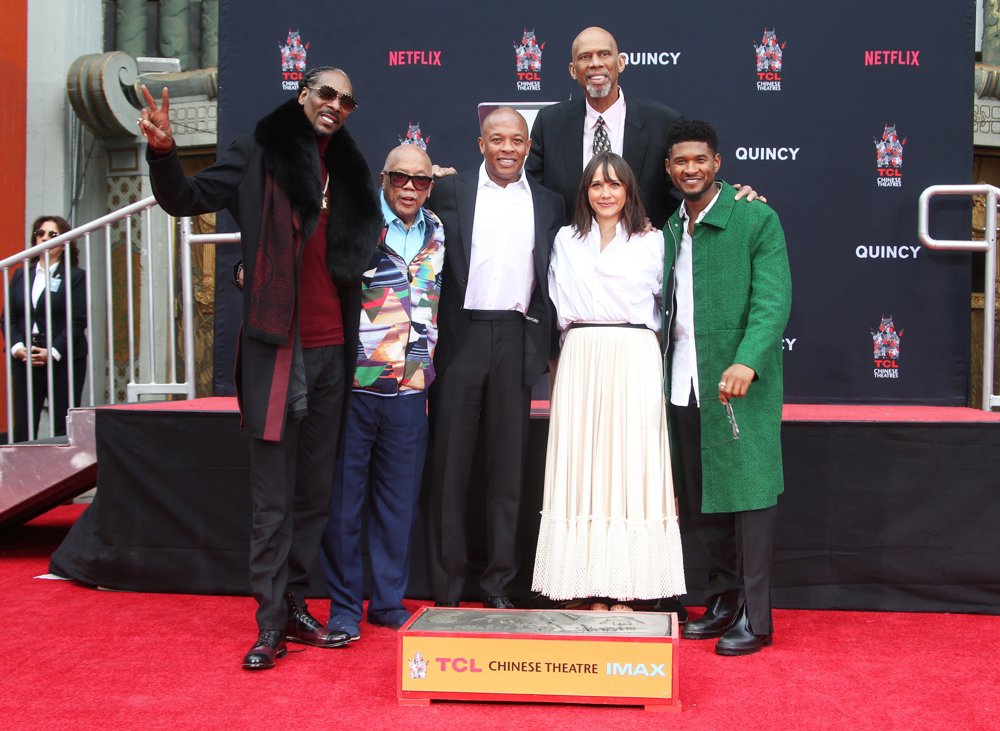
(309, 219)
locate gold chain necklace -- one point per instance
(326, 198)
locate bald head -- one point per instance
(593, 35)
(501, 116)
(595, 64)
(406, 168)
(404, 154)
(504, 143)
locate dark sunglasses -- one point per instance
(398, 179)
(43, 234)
(327, 93)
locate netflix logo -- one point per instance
(414, 58)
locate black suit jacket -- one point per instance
(556, 156)
(454, 201)
(60, 330)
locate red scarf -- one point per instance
(272, 296)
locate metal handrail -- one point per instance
(157, 318)
(187, 239)
(988, 245)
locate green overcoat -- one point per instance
(742, 297)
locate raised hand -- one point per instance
(154, 124)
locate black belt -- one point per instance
(575, 325)
(495, 315)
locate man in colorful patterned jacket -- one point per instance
(385, 434)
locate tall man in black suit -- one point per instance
(495, 328)
(563, 135)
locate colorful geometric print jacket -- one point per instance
(399, 308)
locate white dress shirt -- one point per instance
(618, 285)
(684, 365)
(501, 267)
(614, 120)
(38, 285)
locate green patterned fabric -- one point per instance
(742, 298)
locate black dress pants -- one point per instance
(290, 482)
(480, 391)
(740, 545)
(58, 405)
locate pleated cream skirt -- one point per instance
(609, 526)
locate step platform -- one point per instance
(540, 656)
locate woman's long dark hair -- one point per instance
(633, 215)
(63, 225)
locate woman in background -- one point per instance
(34, 349)
(609, 528)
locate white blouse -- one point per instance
(621, 284)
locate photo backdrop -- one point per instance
(841, 114)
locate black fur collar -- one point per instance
(355, 220)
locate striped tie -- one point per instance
(602, 143)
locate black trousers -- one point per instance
(739, 546)
(58, 405)
(481, 391)
(290, 484)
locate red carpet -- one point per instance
(79, 658)
(791, 412)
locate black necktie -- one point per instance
(602, 143)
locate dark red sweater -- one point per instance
(320, 321)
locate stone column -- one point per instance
(131, 24)
(174, 41)
(209, 33)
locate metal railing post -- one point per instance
(988, 245)
(990, 298)
(187, 304)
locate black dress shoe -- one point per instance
(672, 604)
(302, 627)
(740, 639)
(270, 645)
(718, 617)
(498, 602)
(445, 604)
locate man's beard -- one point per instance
(598, 92)
(695, 195)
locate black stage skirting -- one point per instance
(875, 516)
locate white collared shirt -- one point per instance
(614, 119)
(618, 285)
(501, 267)
(38, 284)
(684, 365)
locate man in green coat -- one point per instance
(726, 308)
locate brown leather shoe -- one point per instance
(302, 627)
(270, 645)
(719, 616)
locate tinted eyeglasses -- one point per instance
(43, 234)
(327, 93)
(398, 179)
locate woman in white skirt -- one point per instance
(609, 526)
